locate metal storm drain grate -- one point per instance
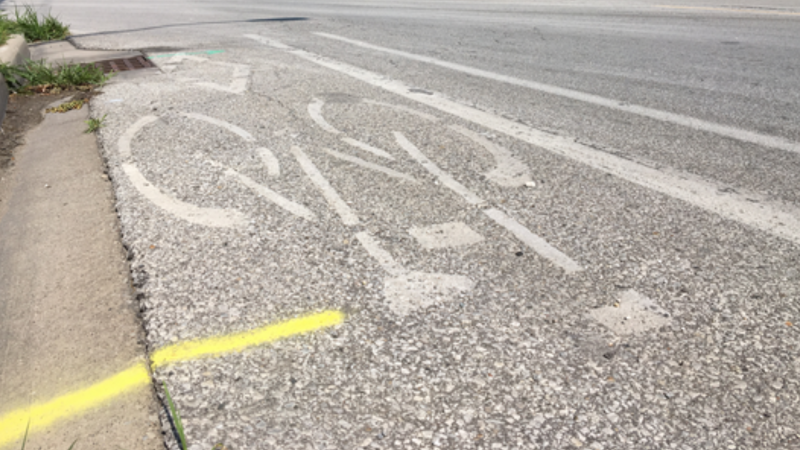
(124, 64)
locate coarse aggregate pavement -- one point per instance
(498, 294)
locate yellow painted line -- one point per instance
(42, 415)
(215, 346)
(12, 425)
(738, 10)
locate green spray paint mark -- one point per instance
(203, 52)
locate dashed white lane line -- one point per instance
(534, 242)
(510, 172)
(371, 166)
(776, 218)
(345, 212)
(443, 176)
(315, 111)
(368, 148)
(270, 160)
(664, 116)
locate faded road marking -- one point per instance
(383, 257)
(315, 111)
(536, 243)
(431, 167)
(42, 415)
(371, 166)
(445, 235)
(633, 314)
(270, 160)
(510, 172)
(267, 193)
(222, 124)
(345, 212)
(368, 148)
(407, 291)
(219, 345)
(679, 119)
(757, 211)
(416, 290)
(209, 217)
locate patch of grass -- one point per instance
(39, 76)
(176, 418)
(7, 28)
(92, 126)
(47, 28)
(12, 75)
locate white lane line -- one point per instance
(431, 167)
(383, 257)
(222, 124)
(664, 116)
(402, 108)
(270, 160)
(776, 218)
(510, 172)
(315, 111)
(210, 217)
(267, 193)
(536, 243)
(371, 166)
(368, 148)
(347, 215)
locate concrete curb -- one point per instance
(14, 52)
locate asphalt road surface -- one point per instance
(548, 224)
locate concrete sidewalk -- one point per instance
(68, 316)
